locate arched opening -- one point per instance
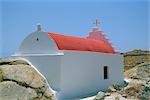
(37, 39)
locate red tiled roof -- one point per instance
(80, 44)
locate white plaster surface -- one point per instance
(73, 74)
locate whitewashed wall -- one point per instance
(75, 73)
(82, 72)
(49, 66)
(44, 55)
(44, 45)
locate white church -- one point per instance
(74, 67)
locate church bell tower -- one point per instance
(97, 34)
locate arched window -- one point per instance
(37, 39)
(105, 70)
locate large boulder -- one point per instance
(20, 81)
(10, 90)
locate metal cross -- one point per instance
(97, 22)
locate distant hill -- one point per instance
(135, 57)
(141, 71)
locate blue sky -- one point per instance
(125, 22)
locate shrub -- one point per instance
(108, 90)
(117, 87)
(146, 93)
(5, 63)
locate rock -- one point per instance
(135, 57)
(44, 98)
(112, 88)
(20, 81)
(20, 73)
(24, 74)
(107, 94)
(12, 61)
(48, 93)
(143, 71)
(37, 80)
(12, 91)
(114, 96)
(1, 76)
(99, 96)
(124, 95)
(117, 98)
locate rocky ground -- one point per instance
(19, 81)
(135, 57)
(136, 88)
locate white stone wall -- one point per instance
(79, 73)
(44, 45)
(76, 73)
(49, 66)
(82, 72)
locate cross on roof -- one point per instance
(39, 27)
(96, 22)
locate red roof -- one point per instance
(80, 44)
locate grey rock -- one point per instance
(124, 95)
(38, 80)
(48, 93)
(99, 96)
(20, 73)
(20, 81)
(12, 61)
(12, 91)
(24, 74)
(1, 76)
(112, 88)
(107, 94)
